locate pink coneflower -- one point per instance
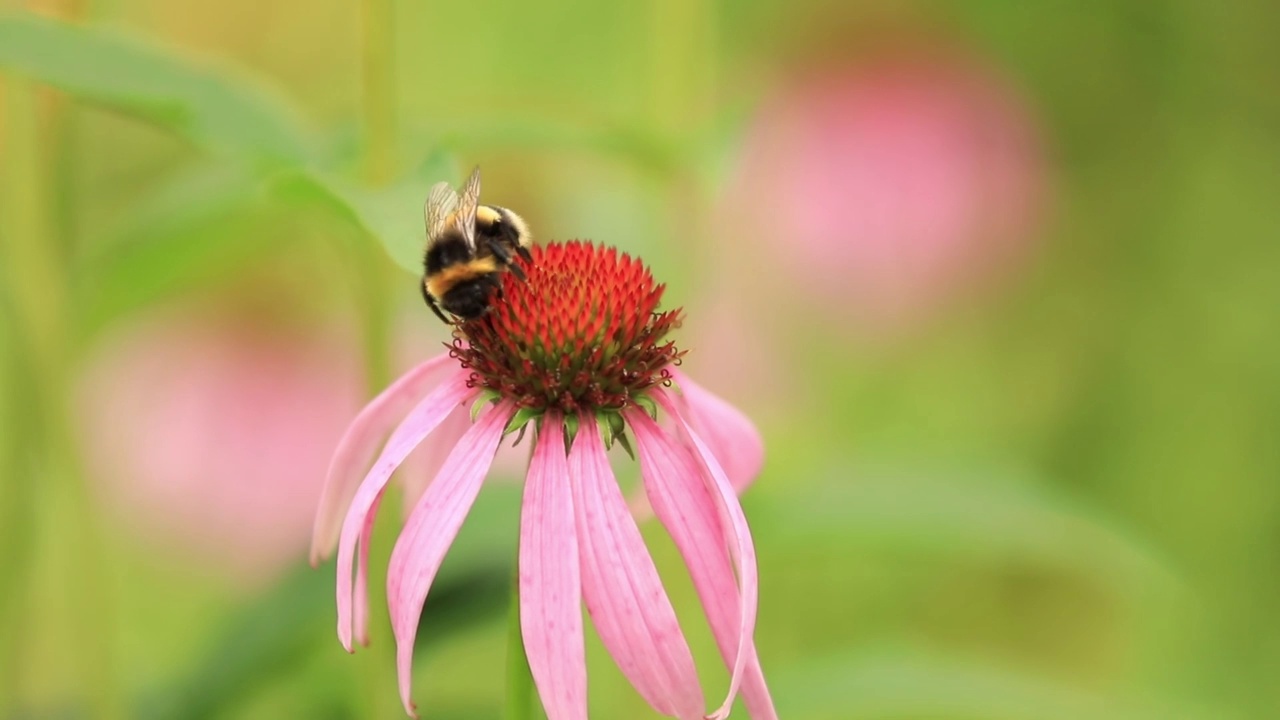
(578, 355)
(912, 175)
(207, 434)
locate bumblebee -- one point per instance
(469, 245)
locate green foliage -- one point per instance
(895, 684)
(391, 215)
(197, 227)
(207, 107)
(975, 515)
(279, 634)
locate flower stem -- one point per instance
(378, 106)
(682, 64)
(36, 292)
(377, 672)
(522, 697)
(683, 69)
(378, 97)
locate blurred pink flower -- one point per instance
(209, 434)
(577, 353)
(886, 186)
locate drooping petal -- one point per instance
(431, 529)
(737, 535)
(360, 516)
(361, 600)
(550, 580)
(357, 446)
(623, 593)
(686, 508)
(730, 435)
(423, 464)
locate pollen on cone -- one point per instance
(581, 332)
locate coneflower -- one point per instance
(578, 354)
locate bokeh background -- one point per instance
(998, 281)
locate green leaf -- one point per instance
(894, 683)
(215, 108)
(987, 515)
(391, 215)
(255, 646)
(283, 631)
(194, 227)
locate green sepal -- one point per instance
(611, 426)
(486, 396)
(520, 419)
(647, 404)
(606, 430)
(622, 440)
(570, 431)
(519, 436)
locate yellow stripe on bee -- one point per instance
(524, 237)
(486, 215)
(441, 282)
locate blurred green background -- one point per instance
(997, 281)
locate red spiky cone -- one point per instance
(582, 332)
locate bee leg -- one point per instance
(500, 250)
(504, 255)
(524, 253)
(431, 303)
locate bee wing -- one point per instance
(442, 203)
(467, 206)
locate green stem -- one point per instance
(378, 114)
(17, 502)
(378, 105)
(37, 292)
(682, 64)
(375, 315)
(378, 97)
(522, 701)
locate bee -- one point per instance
(469, 245)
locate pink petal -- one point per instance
(359, 521)
(730, 434)
(622, 590)
(685, 507)
(736, 534)
(550, 582)
(357, 446)
(361, 612)
(423, 464)
(430, 531)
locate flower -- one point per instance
(579, 352)
(911, 173)
(204, 431)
